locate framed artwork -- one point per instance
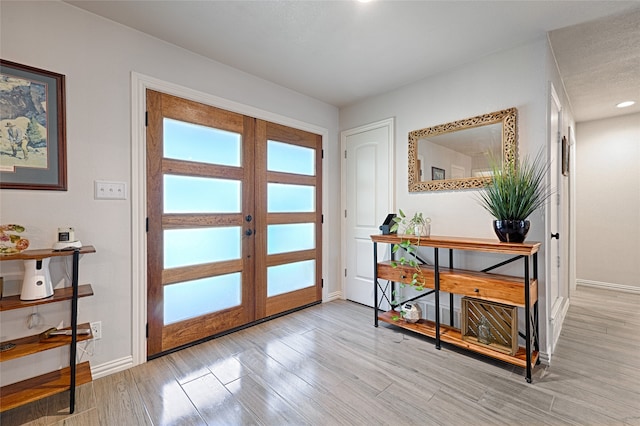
(565, 156)
(32, 128)
(437, 174)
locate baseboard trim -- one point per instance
(557, 321)
(609, 286)
(336, 295)
(111, 367)
(545, 358)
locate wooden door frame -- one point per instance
(571, 130)
(388, 123)
(139, 85)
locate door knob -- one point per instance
(556, 236)
(249, 218)
(248, 232)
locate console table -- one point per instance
(509, 291)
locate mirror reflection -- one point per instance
(457, 155)
(460, 154)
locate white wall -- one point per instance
(608, 202)
(514, 78)
(443, 158)
(97, 57)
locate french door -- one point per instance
(234, 220)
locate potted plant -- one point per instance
(513, 194)
(418, 226)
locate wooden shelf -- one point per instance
(66, 293)
(33, 344)
(35, 388)
(453, 336)
(481, 285)
(44, 253)
(458, 243)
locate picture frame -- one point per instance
(437, 173)
(565, 156)
(32, 128)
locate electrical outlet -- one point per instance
(96, 330)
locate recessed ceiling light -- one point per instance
(625, 104)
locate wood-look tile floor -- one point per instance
(328, 365)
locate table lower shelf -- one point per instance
(453, 336)
(36, 388)
(33, 344)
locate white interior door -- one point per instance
(558, 284)
(367, 199)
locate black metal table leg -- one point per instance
(527, 315)
(375, 284)
(393, 303)
(451, 294)
(74, 331)
(436, 273)
(536, 335)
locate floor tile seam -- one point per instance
(596, 407)
(261, 382)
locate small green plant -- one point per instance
(410, 226)
(410, 257)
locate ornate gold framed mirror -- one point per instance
(457, 155)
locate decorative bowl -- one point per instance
(10, 241)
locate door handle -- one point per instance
(249, 218)
(556, 236)
(248, 232)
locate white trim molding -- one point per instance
(545, 358)
(556, 320)
(115, 366)
(609, 286)
(336, 295)
(139, 85)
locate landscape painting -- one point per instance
(32, 128)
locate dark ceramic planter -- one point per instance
(511, 231)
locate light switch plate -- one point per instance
(108, 190)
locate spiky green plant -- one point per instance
(515, 192)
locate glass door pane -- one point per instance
(284, 198)
(203, 144)
(290, 277)
(288, 158)
(189, 194)
(191, 299)
(196, 246)
(290, 237)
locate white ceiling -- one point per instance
(341, 52)
(600, 64)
